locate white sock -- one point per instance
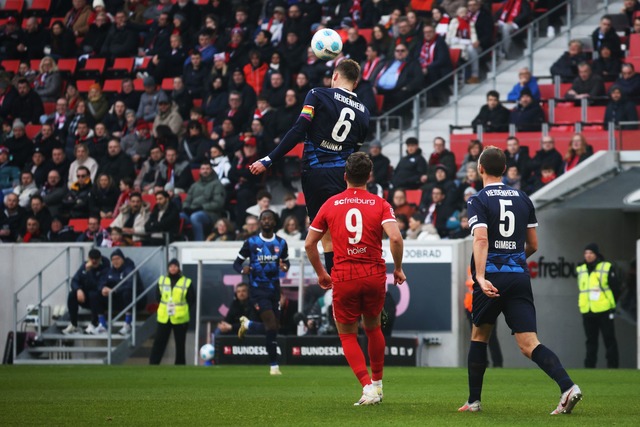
(377, 383)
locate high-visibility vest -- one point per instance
(595, 293)
(176, 296)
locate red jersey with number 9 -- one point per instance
(354, 219)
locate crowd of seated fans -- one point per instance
(209, 88)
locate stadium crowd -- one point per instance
(141, 118)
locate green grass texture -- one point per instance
(302, 396)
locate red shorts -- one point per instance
(353, 298)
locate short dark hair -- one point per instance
(37, 197)
(493, 161)
(126, 180)
(164, 193)
(493, 93)
(242, 284)
(263, 193)
(358, 168)
(84, 168)
(135, 194)
(349, 69)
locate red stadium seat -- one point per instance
(114, 85)
(12, 8)
(366, 33)
(39, 7)
(11, 65)
(499, 139)
(34, 64)
(93, 67)
(459, 143)
(24, 23)
(531, 140)
(454, 54)
(197, 102)
(379, 102)
(68, 65)
(414, 196)
(32, 130)
(138, 85)
(49, 107)
(547, 91)
(56, 19)
(79, 225)
(595, 113)
(83, 85)
(167, 84)
(628, 140)
(564, 88)
(195, 173)
(122, 67)
(300, 199)
(106, 222)
(634, 46)
(296, 151)
(145, 63)
(567, 113)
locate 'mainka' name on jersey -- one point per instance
(350, 102)
(503, 193)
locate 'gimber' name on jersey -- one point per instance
(350, 102)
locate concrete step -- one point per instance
(59, 362)
(80, 337)
(66, 349)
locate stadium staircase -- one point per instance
(466, 100)
(47, 345)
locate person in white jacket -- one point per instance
(462, 35)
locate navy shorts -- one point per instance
(264, 299)
(515, 302)
(318, 185)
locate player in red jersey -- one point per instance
(356, 220)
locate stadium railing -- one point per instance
(41, 298)
(418, 102)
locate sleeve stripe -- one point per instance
(241, 257)
(478, 225)
(316, 229)
(388, 220)
(532, 225)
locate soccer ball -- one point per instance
(207, 352)
(326, 44)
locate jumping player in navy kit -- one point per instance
(503, 223)
(333, 124)
(268, 254)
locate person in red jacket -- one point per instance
(255, 71)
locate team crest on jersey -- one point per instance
(276, 249)
(257, 306)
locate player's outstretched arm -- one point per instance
(397, 247)
(311, 247)
(295, 135)
(480, 252)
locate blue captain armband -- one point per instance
(266, 161)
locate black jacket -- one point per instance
(621, 111)
(610, 38)
(118, 167)
(527, 119)
(496, 120)
(169, 223)
(88, 280)
(120, 42)
(28, 108)
(567, 66)
(441, 65)
(521, 160)
(409, 170)
(381, 170)
(543, 158)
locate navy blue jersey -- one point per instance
(507, 214)
(339, 126)
(264, 259)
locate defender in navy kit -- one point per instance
(503, 223)
(333, 124)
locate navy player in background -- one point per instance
(503, 223)
(333, 124)
(268, 255)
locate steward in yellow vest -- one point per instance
(597, 283)
(175, 296)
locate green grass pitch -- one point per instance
(302, 396)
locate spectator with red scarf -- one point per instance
(435, 61)
(462, 35)
(440, 157)
(77, 19)
(510, 18)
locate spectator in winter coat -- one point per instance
(20, 147)
(168, 115)
(25, 189)
(567, 65)
(577, 152)
(82, 159)
(48, 82)
(527, 115)
(84, 289)
(164, 218)
(620, 109)
(148, 106)
(117, 163)
(547, 155)
(525, 79)
(204, 203)
(411, 171)
(586, 85)
(629, 82)
(27, 106)
(518, 155)
(9, 174)
(605, 34)
(440, 157)
(493, 116)
(76, 202)
(173, 175)
(121, 41)
(607, 66)
(12, 218)
(133, 217)
(147, 176)
(513, 15)
(381, 164)
(94, 232)
(53, 191)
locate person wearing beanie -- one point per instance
(527, 114)
(84, 291)
(175, 295)
(598, 289)
(120, 268)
